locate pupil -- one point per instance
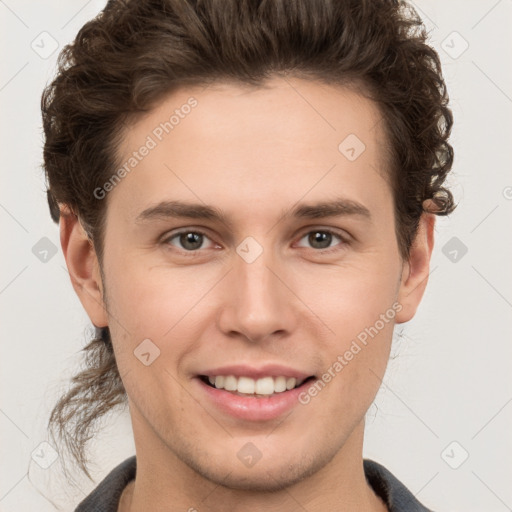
(320, 239)
(191, 241)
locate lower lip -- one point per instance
(253, 408)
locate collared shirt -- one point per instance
(105, 498)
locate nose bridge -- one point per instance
(258, 304)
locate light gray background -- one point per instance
(450, 381)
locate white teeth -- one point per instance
(246, 385)
(230, 383)
(280, 384)
(264, 386)
(290, 383)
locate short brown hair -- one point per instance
(136, 52)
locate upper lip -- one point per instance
(268, 370)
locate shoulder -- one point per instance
(393, 492)
(105, 497)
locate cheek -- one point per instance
(355, 360)
(358, 304)
(170, 308)
(351, 297)
(151, 300)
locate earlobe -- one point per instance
(83, 267)
(416, 270)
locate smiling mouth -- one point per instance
(258, 388)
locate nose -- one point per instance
(258, 302)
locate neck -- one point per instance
(164, 483)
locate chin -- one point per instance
(270, 475)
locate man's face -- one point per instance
(275, 287)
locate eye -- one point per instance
(321, 239)
(189, 240)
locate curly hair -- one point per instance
(136, 52)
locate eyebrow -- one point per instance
(178, 209)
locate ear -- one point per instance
(416, 269)
(83, 267)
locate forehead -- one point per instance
(246, 143)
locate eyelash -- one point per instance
(343, 240)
